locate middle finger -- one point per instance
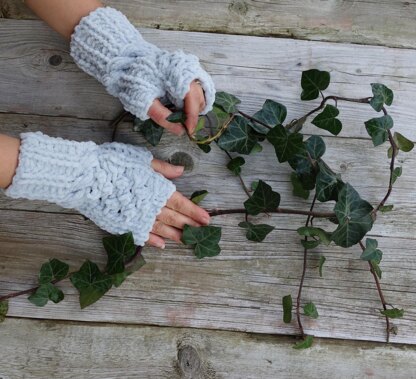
(175, 219)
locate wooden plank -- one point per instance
(260, 68)
(66, 350)
(389, 23)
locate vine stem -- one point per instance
(219, 212)
(246, 190)
(116, 122)
(302, 279)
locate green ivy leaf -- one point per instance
(304, 169)
(328, 184)
(381, 95)
(91, 283)
(204, 147)
(264, 199)
(4, 308)
(306, 343)
(310, 244)
(378, 128)
(238, 137)
(257, 148)
(227, 101)
(177, 117)
(392, 313)
(322, 260)
(298, 189)
(151, 131)
(119, 248)
(403, 143)
(315, 146)
(371, 252)
(287, 309)
(310, 310)
(256, 233)
(198, 196)
(397, 172)
(386, 208)
(272, 113)
(376, 268)
(327, 120)
(119, 278)
(354, 216)
(234, 165)
(311, 231)
(312, 82)
(54, 269)
(204, 239)
(254, 184)
(286, 144)
(44, 293)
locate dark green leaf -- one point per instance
(91, 283)
(227, 101)
(310, 231)
(310, 244)
(327, 120)
(313, 81)
(119, 249)
(376, 268)
(306, 343)
(238, 137)
(151, 131)
(4, 308)
(315, 146)
(328, 184)
(204, 239)
(254, 184)
(198, 196)
(371, 252)
(264, 199)
(177, 117)
(386, 208)
(304, 169)
(256, 233)
(298, 189)
(44, 293)
(287, 309)
(119, 278)
(322, 260)
(392, 313)
(403, 143)
(378, 128)
(257, 148)
(54, 269)
(310, 310)
(354, 216)
(234, 165)
(286, 144)
(204, 147)
(397, 172)
(381, 95)
(272, 114)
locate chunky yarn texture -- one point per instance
(107, 46)
(112, 184)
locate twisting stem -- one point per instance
(219, 212)
(302, 279)
(116, 122)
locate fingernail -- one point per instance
(161, 245)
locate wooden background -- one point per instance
(239, 291)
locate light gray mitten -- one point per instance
(112, 184)
(107, 46)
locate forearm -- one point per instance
(63, 15)
(9, 153)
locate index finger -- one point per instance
(181, 204)
(158, 113)
(192, 106)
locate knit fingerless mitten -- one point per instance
(112, 184)
(107, 46)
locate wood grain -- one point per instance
(389, 23)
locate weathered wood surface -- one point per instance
(387, 22)
(50, 349)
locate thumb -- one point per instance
(168, 170)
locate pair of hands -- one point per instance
(179, 210)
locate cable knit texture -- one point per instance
(107, 46)
(112, 184)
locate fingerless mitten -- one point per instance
(107, 46)
(112, 184)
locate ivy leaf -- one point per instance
(119, 278)
(257, 148)
(44, 293)
(304, 169)
(204, 239)
(298, 189)
(306, 343)
(381, 95)
(254, 184)
(256, 233)
(4, 308)
(177, 117)
(376, 268)
(227, 101)
(54, 269)
(119, 248)
(378, 128)
(392, 313)
(328, 184)
(272, 113)
(238, 137)
(313, 82)
(264, 199)
(310, 244)
(151, 131)
(198, 196)
(91, 283)
(397, 172)
(286, 144)
(371, 252)
(311, 231)
(204, 147)
(287, 309)
(310, 310)
(327, 120)
(386, 208)
(315, 146)
(354, 216)
(403, 143)
(234, 165)
(322, 260)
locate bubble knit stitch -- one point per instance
(112, 184)
(107, 46)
